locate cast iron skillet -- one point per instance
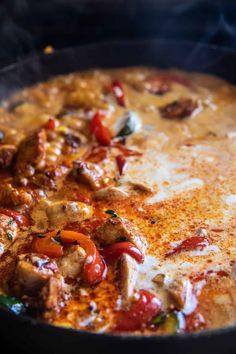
(30, 335)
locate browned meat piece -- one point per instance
(51, 296)
(50, 178)
(142, 188)
(73, 141)
(128, 278)
(11, 196)
(30, 156)
(120, 229)
(8, 232)
(6, 155)
(110, 194)
(88, 173)
(32, 272)
(159, 279)
(38, 281)
(71, 264)
(179, 109)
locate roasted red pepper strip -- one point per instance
(118, 92)
(48, 246)
(189, 244)
(121, 162)
(125, 150)
(100, 132)
(96, 154)
(114, 251)
(51, 124)
(140, 313)
(94, 266)
(19, 218)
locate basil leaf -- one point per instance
(12, 304)
(41, 236)
(11, 222)
(131, 123)
(9, 236)
(112, 213)
(57, 237)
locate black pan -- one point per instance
(31, 336)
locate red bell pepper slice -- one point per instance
(121, 162)
(140, 313)
(118, 91)
(20, 219)
(189, 244)
(96, 154)
(100, 132)
(94, 266)
(114, 251)
(48, 246)
(51, 124)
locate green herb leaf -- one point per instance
(130, 125)
(112, 213)
(57, 237)
(10, 222)
(9, 236)
(12, 304)
(159, 319)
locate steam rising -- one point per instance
(27, 26)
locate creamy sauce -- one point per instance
(181, 178)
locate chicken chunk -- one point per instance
(6, 155)
(88, 173)
(110, 194)
(71, 264)
(180, 291)
(38, 281)
(8, 232)
(51, 178)
(30, 156)
(51, 214)
(32, 272)
(51, 296)
(120, 229)
(11, 196)
(128, 278)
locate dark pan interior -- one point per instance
(28, 335)
(157, 52)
